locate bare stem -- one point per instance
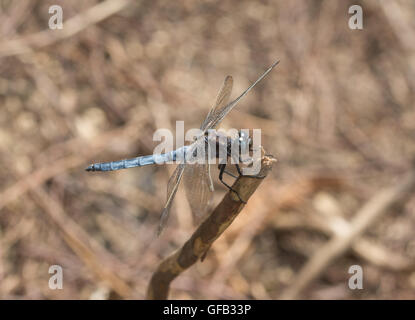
(208, 231)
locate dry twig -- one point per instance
(208, 231)
(73, 26)
(365, 217)
(98, 260)
(363, 247)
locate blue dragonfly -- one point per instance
(196, 175)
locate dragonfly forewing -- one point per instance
(221, 100)
(214, 118)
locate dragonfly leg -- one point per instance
(230, 174)
(227, 172)
(238, 168)
(221, 172)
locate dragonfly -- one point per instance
(196, 175)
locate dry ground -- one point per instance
(337, 113)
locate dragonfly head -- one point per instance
(245, 141)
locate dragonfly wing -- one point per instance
(221, 101)
(214, 118)
(172, 188)
(198, 188)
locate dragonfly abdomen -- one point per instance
(135, 162)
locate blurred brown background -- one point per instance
(337, 113)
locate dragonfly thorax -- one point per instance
(222, 146)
